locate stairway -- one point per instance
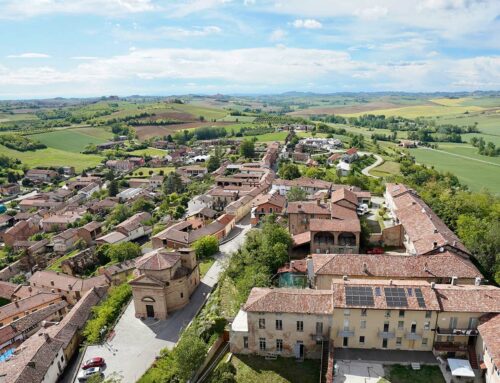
(473, 358)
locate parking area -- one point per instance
(350, 371)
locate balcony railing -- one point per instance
(457, 331)
(450, 346)
(413, 336)
(345, 333)
(387, 334)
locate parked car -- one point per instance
(362, 209)
(94, 362)
(375, 250)
(86, 374)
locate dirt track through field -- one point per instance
(462, 156)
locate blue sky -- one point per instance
(100, 47)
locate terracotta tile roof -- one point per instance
(336, 225)
(27, 304)
(91, 226)
(396, 190)
(468, 298)
(342, 212)
(351, 151)
(157, 260)
(442, 265)
(129, 264)
(7, 289)
(302, 238)
(308, 207)
(304, 182)
(134, 222)
(273, 199)
(297, 266)
(112, 237)
(380, 302)
(490, 332)
(423, 226)
(344, 194)
(305, 301)
(56, 280)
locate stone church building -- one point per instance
(164, 282)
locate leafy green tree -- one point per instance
(173, 184)
(142, 204)
(206, 246)
(247, 148)
(189, 355)
(296, 194)
(289, 171)
(213, 163)
(123, 251)
(113, 188)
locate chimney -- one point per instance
(454, 281)
(344, 278)
(31, 364)
(426, 269)
(390, 282)
(52, 283)
(477, 281)
(317, 202)
(70, 287)
(433, 285)
(30, 289)
(365, 267)
(16, 303)
(435, 244)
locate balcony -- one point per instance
(345, 333)
(319, 337)
(386, 334)
(450, 346)
(457, 331)
(413, 336)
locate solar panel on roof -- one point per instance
(359, 296)
(395, 297)
(420, 298)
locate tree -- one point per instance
(213, 163)
(173, 184)
(113, 188)
(296, 194)
(206, 246)
(142, 204)
(289, 171)
(189, 355)
(225, 373)
(122, 251)
(247, 148)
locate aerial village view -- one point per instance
(249, 191)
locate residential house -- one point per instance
(488, 347)
(309, 185)
(22, 307)
(41, 175)
(265, 204)
(90, 231)
(65, 241)
(10, 189)
(350, 155)
(120, 165)
(59, 222)
(21, 231)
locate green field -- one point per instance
(100, 133)
(149, 152)
(388, 168)
(53, 157)
(69, 140)
(419, 111)
(275, 136)
(475, 174)
(237, 119)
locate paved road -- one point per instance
(379, 161)
(136, 342)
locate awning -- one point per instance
(460, 367)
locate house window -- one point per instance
(300, 325)
(424, 341)
(364, 312)
(279, 324)
(387, 313)
(262, 344)
(279, 345)
(401, 313)
(362, 339)
(398, 341)
(245, 342)
(428, 314)
(362, 324)
(427, 325)
(262, 323)
(347, 312)
(182, 295)
(401, 324)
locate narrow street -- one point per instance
(136, 343)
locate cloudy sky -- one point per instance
(101, 47)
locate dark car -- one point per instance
(94, 362)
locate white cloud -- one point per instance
(248, 2)
(268, 70)
(29, 55)
(307, 24)
(166, 32)
(32, 8)
(371, 13)
(277, 35)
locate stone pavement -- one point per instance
(358, 372)
(136, 342)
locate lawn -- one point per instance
(405, 374)
(274, 136)
(69, 140)
(149, 152)
(251, 369)
(205, 265)
(53, 157)
(100, 133)
(477, 175)
(388, 168)
(156, 171)
(56, 266)
(230, 118)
